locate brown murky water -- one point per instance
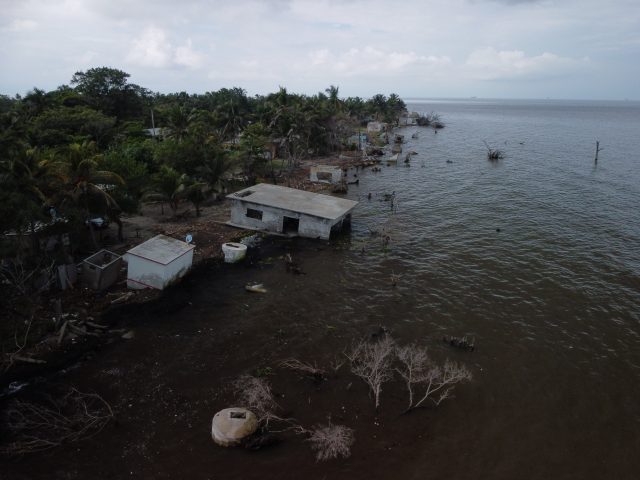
(537, 257)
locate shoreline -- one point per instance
(209, 231)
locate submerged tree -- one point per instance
(493, 154)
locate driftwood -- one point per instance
(19, 358)
(63, 330)
(122, 298)
(255, 288)
(32, 427)
(318, 374)
(96, 325)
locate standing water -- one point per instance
(537, 257)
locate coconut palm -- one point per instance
(166, 188)
(179, 122)
(84, 186)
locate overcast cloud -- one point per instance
(458, 48)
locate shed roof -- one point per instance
(300, 201)
(161, 249)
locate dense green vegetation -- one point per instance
(85, 148)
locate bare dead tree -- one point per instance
(331, 441)
(22, 277)
(371, 361)
(414, 361)
(255, 393)
(424, 377)
(598, 150)
(493, 154)
(34, 427)
(306, 368)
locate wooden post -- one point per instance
(597, 150)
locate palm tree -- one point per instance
(24, 184)
(179, 121)
(194, 191)
(334, 101)
(85, 186)
(166, 188)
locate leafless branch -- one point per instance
(331, 441)
(371, 361)
(34, 427)
(255, 393)
(422, 374)
(302, 367)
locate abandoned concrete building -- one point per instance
(288, 211)
(325, 174)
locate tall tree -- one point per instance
(86, 188)
(108, 90)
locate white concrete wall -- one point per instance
(143, 273)
(272, 220)
(313, 227)
(178, 268)
(271, 217)
(336, 174)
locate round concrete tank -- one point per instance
(231, 425)
(233, 251)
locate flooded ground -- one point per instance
(536, 257)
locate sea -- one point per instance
(535, 258)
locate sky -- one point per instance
(561, 49)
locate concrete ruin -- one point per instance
(288, 211)
(326, 174)
(100, 270)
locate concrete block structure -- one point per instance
(325, 174)
(158, 262)
(288, 211)
(100, 270)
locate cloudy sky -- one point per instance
(574, 49)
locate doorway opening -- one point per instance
(290, 224)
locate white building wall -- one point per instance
(178, 268)
(313, 227)
(272, 220)
(336, 174)
(143, 273)
(271, 217)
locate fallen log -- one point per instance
(27, 359)
(63, 330)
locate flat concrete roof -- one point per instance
(299, 201)
(161, 249)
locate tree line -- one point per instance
(88, 147)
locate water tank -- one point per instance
(231, 425)
(233, 251)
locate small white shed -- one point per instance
(157, 262)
